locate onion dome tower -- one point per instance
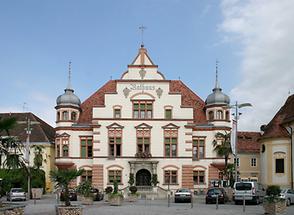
(217, 103)
(68, 104)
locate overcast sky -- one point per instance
(252, 41)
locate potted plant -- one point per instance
(273, 204)
(62, 178)
(85, 190)
(116, 197)
(133, 195)
(108, 191)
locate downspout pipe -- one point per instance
(290, 131)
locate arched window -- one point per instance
(210, 115)
(227, 115)
(73, 116)
(58, 116)
(65, 150)
(219, 114)
(65, 115)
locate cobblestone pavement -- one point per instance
(46, 206)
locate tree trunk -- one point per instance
(66, 196)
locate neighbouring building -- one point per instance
(42, 134)
(142, 125)
(276, 146)
(248, 160)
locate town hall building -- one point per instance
(142, 126)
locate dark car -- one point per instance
(214, 193)
(72, 195)
(183, 195)
(97, 194)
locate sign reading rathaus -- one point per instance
(143, 126)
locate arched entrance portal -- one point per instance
(143, 178)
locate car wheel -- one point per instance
(288, 202)
(257, 202)
(236, 202)
(176, 201)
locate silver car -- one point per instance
(16, 194)
(183, 195)
(288, 195)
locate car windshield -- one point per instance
(243, 186)
(183, 191)
(17, 190)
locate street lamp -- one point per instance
(234, 133)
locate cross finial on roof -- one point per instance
(142, 28)
(69, 76)
(216, 75)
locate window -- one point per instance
(280, 168)
(210, 116)
(199, 177)
(65, 115)
(142, 109)
(65, 150)
(57, 145)
(58, 116)
(227, 115)
(73, 116)
(170, 146)
(114, 175)
(117, 113)
(87, 176)
(86, 147)
(143, 144)
(253, 161)
(198, 148)
(219, 114)
(170, 176)
(238, 161)
(168, 113)
(115, 146)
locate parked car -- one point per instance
(183, 195)
(16, 194)
(72, 195)
(214, 193)
(97, 194)
(288, 195)
(250, 190)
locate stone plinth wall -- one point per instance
(12, 210)
(71, 210)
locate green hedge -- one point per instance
(18, 178)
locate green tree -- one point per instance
(62, 178)
(223, 147)
(38, 159)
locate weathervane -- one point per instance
(142, 28)
(216, 74)
(69, 75)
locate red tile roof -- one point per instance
(42, 132)
(275, 128)
(189, 99)
(248, 142)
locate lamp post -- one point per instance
(234, 133)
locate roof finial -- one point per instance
(142, 28)
(216, 75)
(69, 76)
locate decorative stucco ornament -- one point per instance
(126, 92)
(159, 92)
(142, 73)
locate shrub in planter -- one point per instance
(85, 190)
(108, 190)
(273, 204)
(131, 179)
(133, 196)
(116, 197)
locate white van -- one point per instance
(250, 190)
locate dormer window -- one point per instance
(227, 115)
(142, 109)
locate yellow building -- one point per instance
(277, 147)
(42, 134)
(248, 161)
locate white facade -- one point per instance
(142, 107)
